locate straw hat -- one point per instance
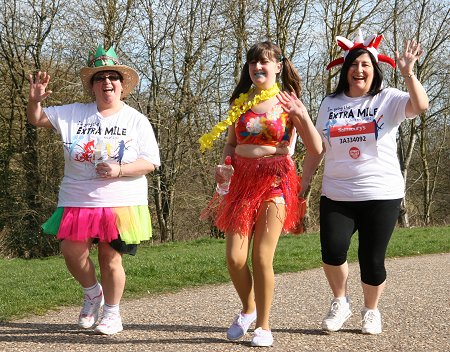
(107, 61)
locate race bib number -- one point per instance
(353, 142)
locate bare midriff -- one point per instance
(259, 151)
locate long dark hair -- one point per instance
(290, 78)
(343, 85)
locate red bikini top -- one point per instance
(271, 128)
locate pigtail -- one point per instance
(290, 77)
(244, 84)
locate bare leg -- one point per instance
(112, 272)
(237, 254)
(372, 294)
(76, 256)
(337, 278)
(267, 232)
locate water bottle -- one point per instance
(226, 171)
(98, 153)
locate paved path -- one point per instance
(415, 308)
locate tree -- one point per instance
(432, 31)
(189, 55)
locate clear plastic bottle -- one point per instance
(226, 171)
(101, 152)
(98, 153)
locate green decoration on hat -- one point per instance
(107, 61)
(103, 58)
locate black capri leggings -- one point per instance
(373, 219)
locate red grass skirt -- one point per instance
(256, 180)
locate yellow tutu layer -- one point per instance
(134, 223)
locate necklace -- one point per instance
(240, 106)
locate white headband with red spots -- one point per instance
(370, 44)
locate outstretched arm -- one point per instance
(230, 145)
(36, 116)
(299, 115)
(418, 98)
(310, 164)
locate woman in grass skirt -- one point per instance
(263, 199)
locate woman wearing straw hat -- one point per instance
(103, 198)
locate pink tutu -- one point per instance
(132, 223)
(77, 224)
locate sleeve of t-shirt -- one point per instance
(52, 114)
(397, 100)
(59, 115)
(321, 116)
(148, 147)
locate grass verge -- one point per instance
(38, 285)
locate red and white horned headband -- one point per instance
(370, 44)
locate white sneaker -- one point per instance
(262, 338)
(371, 321)
(89, 313)
(110, 324)
(240, 325)
(337, 315)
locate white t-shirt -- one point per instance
(89, 138)
(361, 149)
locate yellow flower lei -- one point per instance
(240, 106)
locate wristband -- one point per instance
(120, 171)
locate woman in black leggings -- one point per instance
(362, 184)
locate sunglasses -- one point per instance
(103, 78)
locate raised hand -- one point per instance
(300, 118)
(38, 86)
(406, 61)
(293, 106)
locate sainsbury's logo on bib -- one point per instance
(353, 141)
(351, 130)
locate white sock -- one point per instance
(368, 309)
(111, 308)
(92, 291)
(342, 300)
